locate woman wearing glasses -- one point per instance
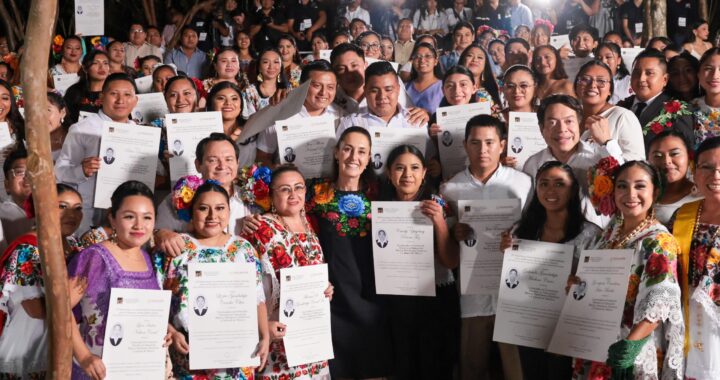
(594, 87)
(370, 43)
(425, 86)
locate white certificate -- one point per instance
(452, 121)
(385, 139)
(144, 84)
(90, 17)
(305, 311)
(127, 152)
(84, 115)
(403, 249)
(480, 257)
(308, 143)
(63, 81)
(184, 132)
(325, 54)
(223, 323)
(559, 41)
(573, 65)
(532, 292)
(137, 323)
(524, 137)
(590, 318)
(628, 56)
(149, 107)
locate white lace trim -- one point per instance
(662, 304)
(701, 296)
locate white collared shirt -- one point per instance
(360, 13)
(505, 183)
(625, 128)
(167, 216)
(267, 139)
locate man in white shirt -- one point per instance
(458, 13)
(137, 45)
(484, 178)
(78, 161)
(559, 117)
(216, 159)
(354, 10)
(318, 102)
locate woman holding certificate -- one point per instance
(651, 326)
(345, 235)
(697, 226)
(284, 239)
(23, 341)
(120, 262)
(226, 97)
(426, 330)
(208, 212)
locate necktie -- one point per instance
(640, 108)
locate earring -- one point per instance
(272, 209)
(113, 237)
(260, 78)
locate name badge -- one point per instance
(638, 27)
(200, 23)
(203, 36)
(682, 21)
(306, 24)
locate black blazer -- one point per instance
(683, 124)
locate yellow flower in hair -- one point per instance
(187, 194)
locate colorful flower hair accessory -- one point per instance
(601, 186)
(547, 24)
(484, 28)
(254, 182)
(56, 47)
(183, 193)
(671, 110)
(99, 42)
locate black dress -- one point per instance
(361, 334)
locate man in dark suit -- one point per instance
(648, 81)
(200, 306)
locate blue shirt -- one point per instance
(192, 66)
(520, 15)
(428, 99)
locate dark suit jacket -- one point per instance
(683, 124)
(200, 312)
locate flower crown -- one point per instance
(671, 110)
(56, 48)
(183, 193)
(547, 24)
(254, 182)
(601, 185)
(484, 28)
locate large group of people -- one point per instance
(393, 65)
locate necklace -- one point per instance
(617, 243)
(293, 235)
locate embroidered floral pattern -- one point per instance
(348, 211)
(707, 121)
(672, 109)
(705, 261)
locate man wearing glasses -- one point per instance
(137, 45)
(15, 222)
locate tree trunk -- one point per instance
(648, 27)
(42, 179)
(659, 18)
(146, 10)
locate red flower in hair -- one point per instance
(656, 128)
(672, 106)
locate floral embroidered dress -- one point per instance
(293, 75)
(653, 294)
(279, 248)
(704, 304)
(23, 343)
(173, 275)
(707, 120)
(103, 272)
(253, 101)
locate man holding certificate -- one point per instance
(484, 179)
(79, 159)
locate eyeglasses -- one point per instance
(137, 31)
(287, 190)
(18, 173)
(523, 87)
(420, 57)
(587, 80)
(370, 46)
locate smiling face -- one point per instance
(405, 30)
(424, 60)
(70, 206)
(352, 155)
(181, 97)
(350, 69)
(519, 89)
(593, 86)
(387, 49)
(287, 50)
(288, 193)
(683, 77)
(227, 65)
(318, 44)
(118, 100)
(709, 75)
(475, 60)
(371, 46)
(648, 78)
(560, 129)
(99, 68)
(707, 176)
(634, 193)
(484, 147)
(554, 189)
(5, 103)
(270, 65)
(323, 86)
(16, 182)
(357, 28)
(210, 215)
(243, 41)
(608, 57)
(381, 92)
(670, 156)
(583, 44)
(406, 174)
(72, 50)
(544, 62)
(219, 163)
(458, 89)
(539, 37)
(147, 66)
(134, 221)
(462, 38)
(229, 103)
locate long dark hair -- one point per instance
(213, 71)
(534, 218)
(388, 191)
(15, 120)
(255, 70)
(558, 73)
(489, 83)
(437, 71)
(84, 82)
(223, 86)
(296, 57)
(368, 175)
(622, 71)
(457, 69)
(695, 64)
